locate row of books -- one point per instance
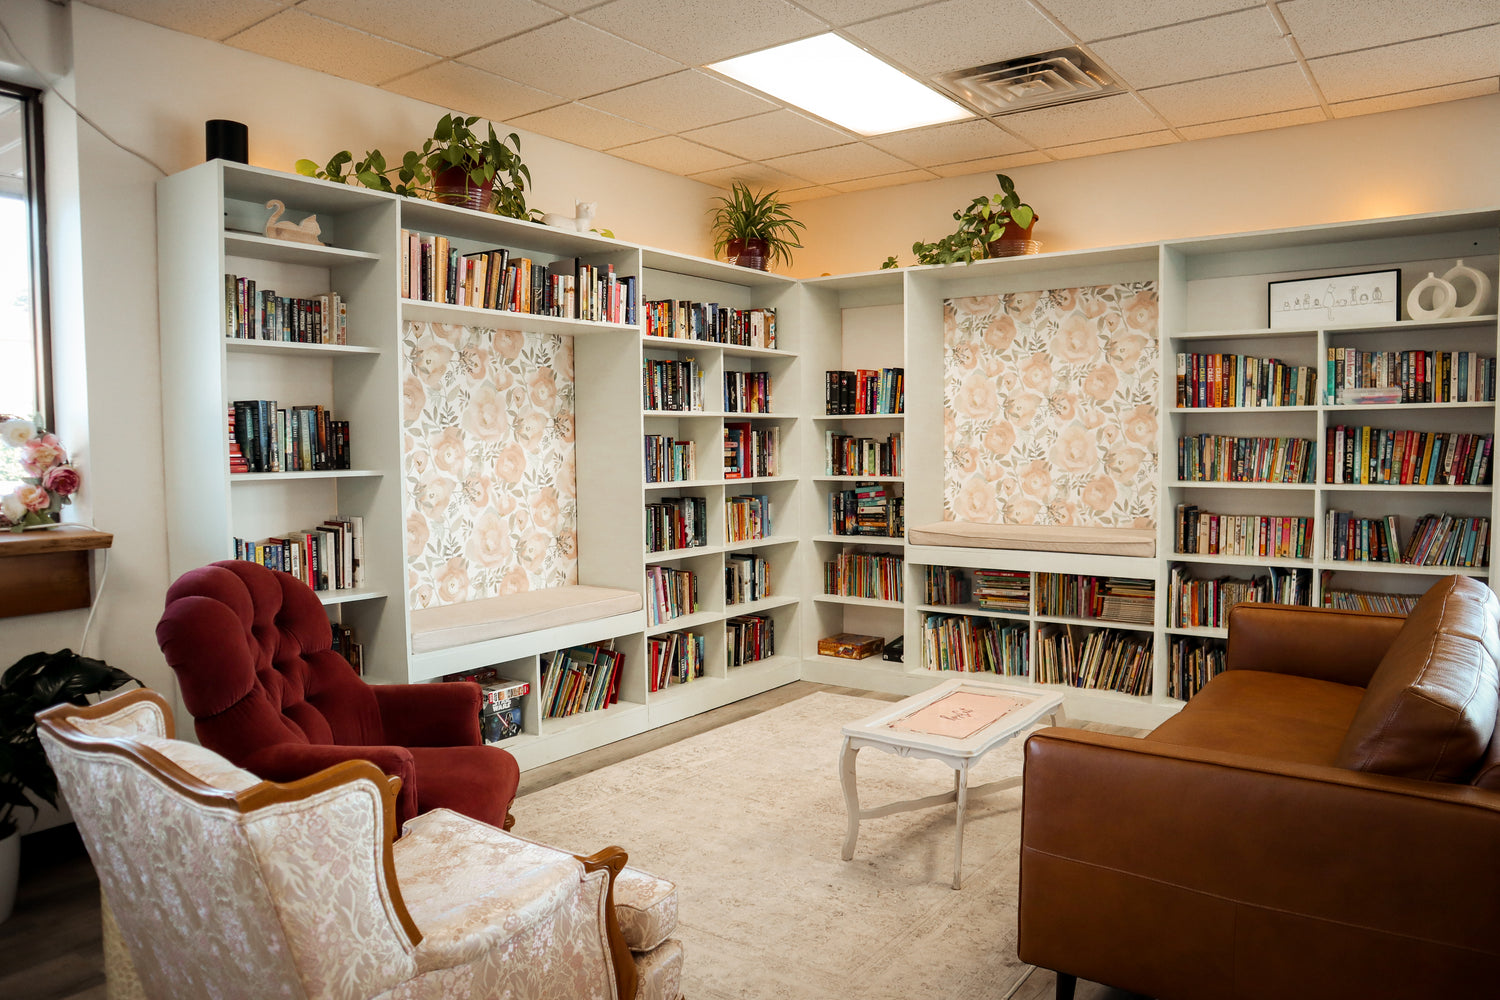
(711, 323)
(1106, 660)
(747, 577)
(872, 575)
(974, 645)
(748, 638)
(1195, 603)
(328, 556)
(870, 509)
(1367, 455)
(434, 270)
(1448, 540)
(264, 437)
(1114, 598)
(945, 585)
(349, 647)
(1191, 662)
(747, 392)
(1361, 539)
(670, 593)
(848, 455)
(260, 314)
(1223, 458)
(747, 518)
(580, 679)
(674, 658)
(1420, 376)
(1365, 600)
(669, 460)
(750, 451)
(673, 385)
(1201, 532)
(865, 390)
(676, 523)
(1002, 589)
(1224, 380)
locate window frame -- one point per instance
(41, 306)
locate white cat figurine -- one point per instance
(583, 222)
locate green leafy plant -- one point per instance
(33, 683)
(980, 224)
(454, 145)
(745, 216)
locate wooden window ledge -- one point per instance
(48, 570)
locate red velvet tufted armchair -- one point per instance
(252, 649)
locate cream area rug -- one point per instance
(748, 820)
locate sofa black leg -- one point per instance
(1066, 984)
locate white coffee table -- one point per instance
(959, 754)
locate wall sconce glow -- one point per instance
(839, 81)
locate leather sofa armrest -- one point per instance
(429, 715)
(282, 762)
(1326, 644)
(1172, 871)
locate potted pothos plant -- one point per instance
(991, 226)
(754, 230)
(33, 683)
(457, 165)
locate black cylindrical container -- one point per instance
(226, 140)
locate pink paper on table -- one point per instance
(959, 715)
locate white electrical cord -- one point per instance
(1019, 983)
(98, 590)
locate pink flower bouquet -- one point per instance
(49, 482)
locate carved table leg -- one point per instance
(961, 791)
(851, 796)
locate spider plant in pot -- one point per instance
(754, 230)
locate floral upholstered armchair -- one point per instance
(219, 884)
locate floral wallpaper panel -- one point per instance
(1050, 407)
(491, 493)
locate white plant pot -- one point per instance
(10, 873)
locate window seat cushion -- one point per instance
(530, 611)
(1038, 538)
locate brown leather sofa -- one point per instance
(1321, 820)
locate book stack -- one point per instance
(1223, 380)
(670, 593)
(1367, 455)
(946, 585)
(1194, 603)
(1200, 532)
(865, 390)
(747, 518)
(580, 679)
(1448, 540)
(974, 645)
(676, 523)
(1417, 376)
(1003, 589)
(672, 385)
(872, 575)
(330, 556)
(747, 577)
(710, 323)
(674, 658)
(261, 314)
(1220, 458)
(749, 638)
(747, 392)
(750, 451)
(870, 509)
(268, 438)
(847, 455)
(348, 647)
(1348, 537)
(1191, 663)
(1114, 598)
(669, 460)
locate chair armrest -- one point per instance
(284, 762)
(1326, 644)
(1260, 869)
(430, 715)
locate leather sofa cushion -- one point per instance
(1282, 716)
(1429, 711)
(1489, 768)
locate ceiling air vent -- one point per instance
(1037, 81)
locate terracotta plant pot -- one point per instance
(1016, 241)
(752, 252)
(453, 187)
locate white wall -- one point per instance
(1442, 156)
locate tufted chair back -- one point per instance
(253, 653)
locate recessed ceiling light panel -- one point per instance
(1061, 76)
(842, 83)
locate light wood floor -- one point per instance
(50, 947)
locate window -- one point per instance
(25, 375)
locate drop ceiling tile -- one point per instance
(1114, 145)
(1238, 95)
(456, 86)
(778, 133)
(675, 155)
(571, 6)
(682, 101)
(807, 194)
(1086, 121)
(842, 12)
(304, 40)
(885, 180)
(572, 59)
(1415, 98)
(957, 34)
(1211, 47)
(840, 163)
(756, 176)
(1255, 123)
(1324, 27)
(948, 143)
(214, 19)
(446, 27)
(704, 31)
(1092, 20)
(584, 127)
(1394, 69)
(990, 164)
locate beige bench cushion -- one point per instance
(531, 611)
(1038, 538)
